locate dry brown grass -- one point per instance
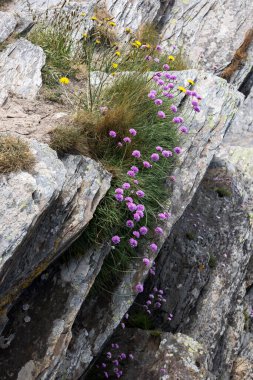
(15, 155)
(102, 29)
(239, 56)
(148, 34)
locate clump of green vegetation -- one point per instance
(15, 155)
(223, 192)
(212, 262)
(141, 320)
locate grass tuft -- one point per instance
(15, 155)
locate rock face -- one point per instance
(20, 70)
(7, 25)
(47, 209)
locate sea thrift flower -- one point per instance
(131, 356)
(120, 144)
(106, 375)
(171, 85)
(160, 82)
(139, 288)
(140, 208)
(151, 95)
(161, 114)
(154, 91)
(147, 165)
(112, 134)
(183, 129)
(119, 197)
(158, 48)
(188, 92)
(166, 67)
(131, 173)
(103, 110)
(194, 93)
(132, 132)
(146, 262)
(195, 103)
(129, 199)
(136, 154)
(141, 214)
(177, 150)
(143, 230)
(109, 355)
(159, 230)
(133, 242)
(123, 325)
(162, 216)
(155, 157)
(196, 109)
(116, 239)
(158, 102)
(134, 169)
(153, 247)
(148, 58)
(119, 191)
(136, 234)
(167, 153)
(127, 139)
(130, 223)
(131, 206)
(173, 108)
(172, 178)
(176, 120)
(137, 217)
(157, 60)
(173, 77)
(126, 186)
(140, 193)
(136, 182)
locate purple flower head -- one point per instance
(158, 102)
(169, 95)
(167, 75)
(163, 371)
(129, 199)
(136, 154)
(166, 67)
(172, 178)
(131, 206)
(173, 108)
(158, 48)
(140, 193)
(151, 95)
(141, 214)
(130, 223)
(159, 74)
(151, 296)
(126, 316)
(173, 77)
(133, 243)
(194, 93)
(160, 82)
(196, 109)
(159, 230)
(159, 148)
(103, 365)
(160, 291)
(146, 261)
(132, 132)
(188, 92)
(127, 139)
(147, 165)
(176, 120)
(148, 303)
(140, 208)
(183, 129)
(106, 375)
(136, 234)
(139, 288)
(148, 58)
(155, 78)
(108, 355)
(155, 289)
(131, 173)
(131, 356)
(153, 91)
(112, 134)
(157, 60)
(195, 103)
(119, 191)
(136, 182)
(116, 239)
(157, 305)
(137, 217)
(162, 216)
(123, 325)
(143, 230)
(199, 97)
(177, 150)
(120, 144)
(115, 362)
(135, 169)
(122, 356)
(155, 157)
(119, 197)
(161, 114)
(167, 215)
(171, 85)
(167, 153)
(153, 247)
(126, 186)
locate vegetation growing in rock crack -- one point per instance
(15, 155)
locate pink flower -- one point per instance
(158, 102)
(166, 67)
(112, 134)
(147, 165)
(159, 149)
(172, 178)
(158, 48)
(162, 216)
(140, 208)
(119, 197)
(130, 223)
(183, 129)
(157, 60)
(127, 139)
(132, 132)
(134, 169)
(131, 206)
(126, 186)
(137, 217)
(129, 199)
(119, 191)
(146, 261)
(120, 144)
(153, 247)
(140, 193)
(148, 58)
(139, 288)
(136, 234)
(159, 230)
(177, 150)
(141, 213)
(136, 154)
(173, 108)
(155, 157)
(151, 95)
(143, 230)
(136, 182)
(133, 243)
(160, 82)
(161, 114)
(116, 239)
(131, 173)
(167, 153)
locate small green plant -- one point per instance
(141, 320)
(212, 262)
(223, 192)
(15, 155)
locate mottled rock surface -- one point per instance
(7, 25)
(20, 70)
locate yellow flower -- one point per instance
(115, 65)
(171, 58)
(180, 88)
(112, 23)
(138, 43)
(128, 30)
(64, 80)
(98, 42)
(113, 74)
(85, 35)
(148, 46)
(83, 14)
(118, 53)
(191, 81)
(94, 18)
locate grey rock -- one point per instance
(7, 25)
(20, 70)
